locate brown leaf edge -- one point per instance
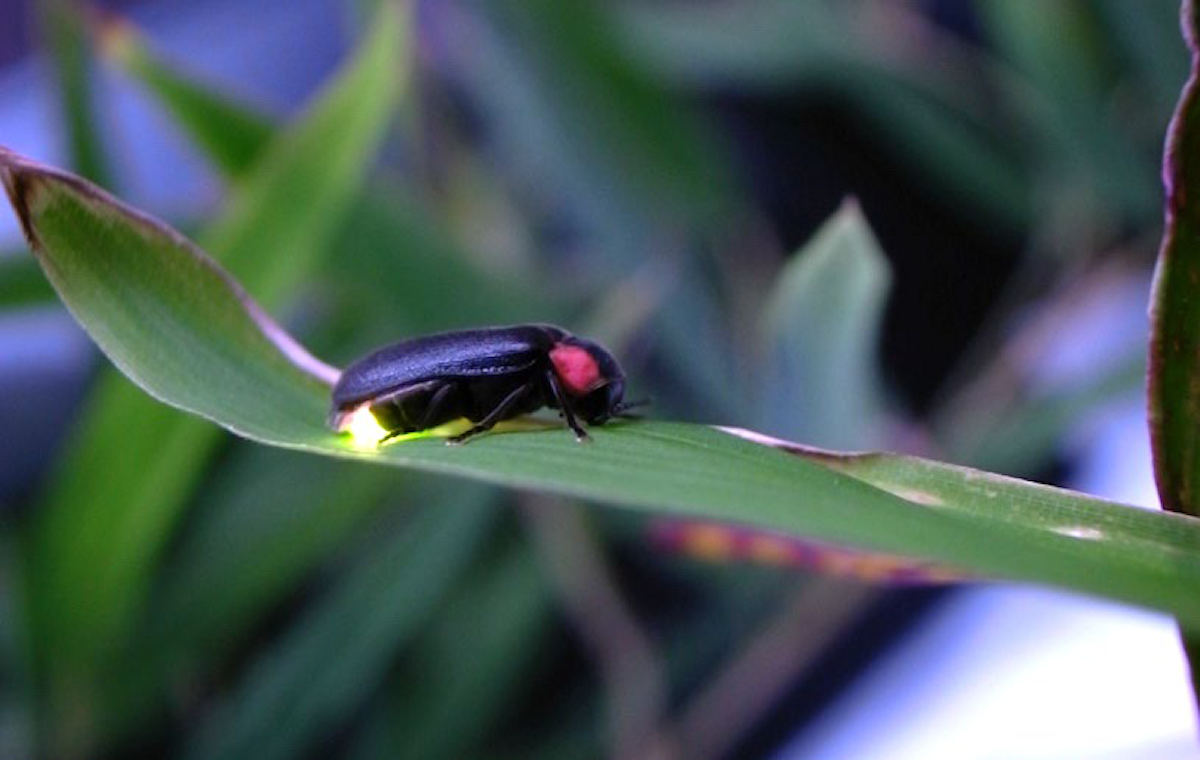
(1174, 339)
(1174, 351)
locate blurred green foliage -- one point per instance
(172, 590)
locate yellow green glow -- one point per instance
(366, 432)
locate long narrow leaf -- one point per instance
(63, 29)
(109, 264)
(231, 134)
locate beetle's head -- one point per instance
(590, 375)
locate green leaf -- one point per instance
(22, 282)
(115, 269)
(933, 117)
(623, 123)
(231, 134)
(1147, 34)
(822, 323)
(565, 105)
(460, 674)
(336, 656)
(270, 516)
(127, 474)
(1018, 437)
(391, 241)
(62, 26)
(1063, 58)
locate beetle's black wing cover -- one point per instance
(467, 353)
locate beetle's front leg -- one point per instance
(565, 405)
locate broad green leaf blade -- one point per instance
(336, 656)
(1174, 377)
(822, 329)
(121, 252)
(964, 518)
(127, 474)
(229, 133)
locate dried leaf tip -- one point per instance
(17, 187)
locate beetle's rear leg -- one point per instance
(390, 436)
(494, 416)
(565, 405)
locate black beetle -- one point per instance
(485, 375)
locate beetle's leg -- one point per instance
(565, 406)
(435, 403)
(494, 416)
(390, 436)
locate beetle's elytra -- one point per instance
(484, 375)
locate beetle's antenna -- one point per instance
(622, 409)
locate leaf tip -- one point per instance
(16, 177)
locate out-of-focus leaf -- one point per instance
(932, 122)
(1174, 376)
(754, 45)
(272, 516)
(126, 475)
(392, 261)
(717, 542)
(17, 704)
(113, 267)
(626, 123)
(1148, 36)
(268, 519)
(387, 245)
(22, 282)
(463, 667)
(1058, 45)
(335, 657)
(62, 27)
(585, 130)
(822, 325)
(566, 109)
(1019, 438)
(231, 134)
(1060, 50)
